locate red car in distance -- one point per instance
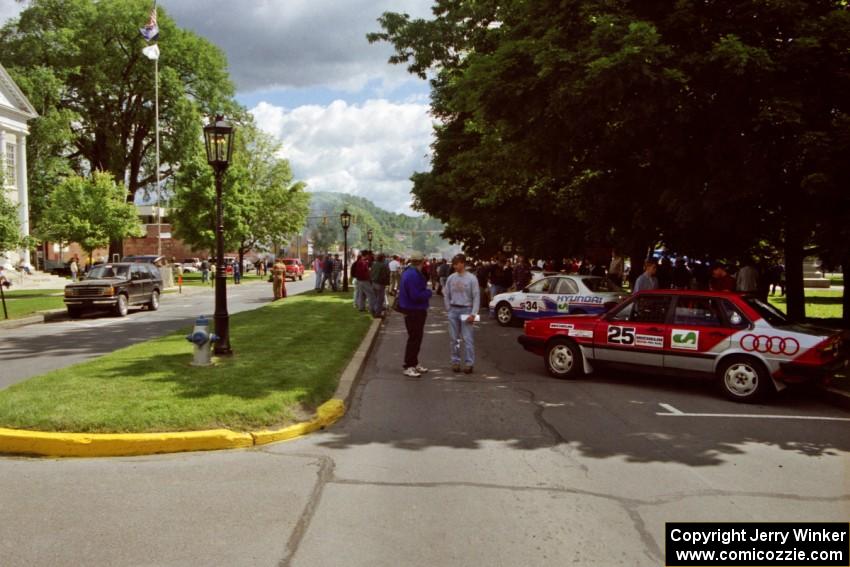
(294, 268)
(748, 345)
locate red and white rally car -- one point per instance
(746, 343)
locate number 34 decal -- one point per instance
(531, 306)
(621, 335)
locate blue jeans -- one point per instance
(319, 276)
(460, 328)
(365, 293)
(380, 294)
(496, 290)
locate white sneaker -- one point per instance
(421, 369)
(411, 372)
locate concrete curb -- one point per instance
(39, 317)
(49, 444)
(358, 362)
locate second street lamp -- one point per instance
(345, 221)
(218, 138)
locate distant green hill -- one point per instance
(399, 233)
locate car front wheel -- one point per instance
(121, 306)
(744, 379)
(563, 359)
(504, 314)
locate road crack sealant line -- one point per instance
(58, 444)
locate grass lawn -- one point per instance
(289, 356)
(835, 279)
(24, 303)
(820, 304)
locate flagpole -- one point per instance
(158, 187)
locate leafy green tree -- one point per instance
(569, 124)
(80, 63)
(10, 230)
(325, 237)
(90, 211)
(262, 205)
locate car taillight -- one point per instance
(829, 347)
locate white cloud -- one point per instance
(274, 44)
(369, 150)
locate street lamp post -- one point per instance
(345, 221)
(369, 235)
(381, 244)
(218, 137)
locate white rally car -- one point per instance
(557, 295)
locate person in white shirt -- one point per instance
(462, 299)
(747, 280)
(395, 275)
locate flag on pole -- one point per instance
(151, 52)
(151, 30)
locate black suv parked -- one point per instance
(115, 287)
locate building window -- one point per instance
(10, 177)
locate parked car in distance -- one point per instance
(748, 346)
(294, 268)
(557, 294)
(115, 287)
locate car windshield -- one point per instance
(109, 272)
(600, 284)
(770, 313)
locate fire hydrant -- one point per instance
(203, 341)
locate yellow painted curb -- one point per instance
(48, 444)
(44, 444)
(327, 414)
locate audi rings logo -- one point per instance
(770, 345)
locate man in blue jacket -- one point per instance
(413, 299)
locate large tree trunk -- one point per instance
(845, 269)
(794, 290)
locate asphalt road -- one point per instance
(504, 467)
(35, 349)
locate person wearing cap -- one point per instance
(413, 299)
(462, 299)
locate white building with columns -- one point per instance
(15, 112)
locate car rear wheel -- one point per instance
(504, 314)
(121, 308)
(744, 379)
(563, 359)
(153, 304)
(300, 278)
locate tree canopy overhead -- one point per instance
(711, 127)
(81, 65)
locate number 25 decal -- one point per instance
(621, 335)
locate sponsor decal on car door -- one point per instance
(699, 332)
(635, 334)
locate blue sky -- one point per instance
(348, 121)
